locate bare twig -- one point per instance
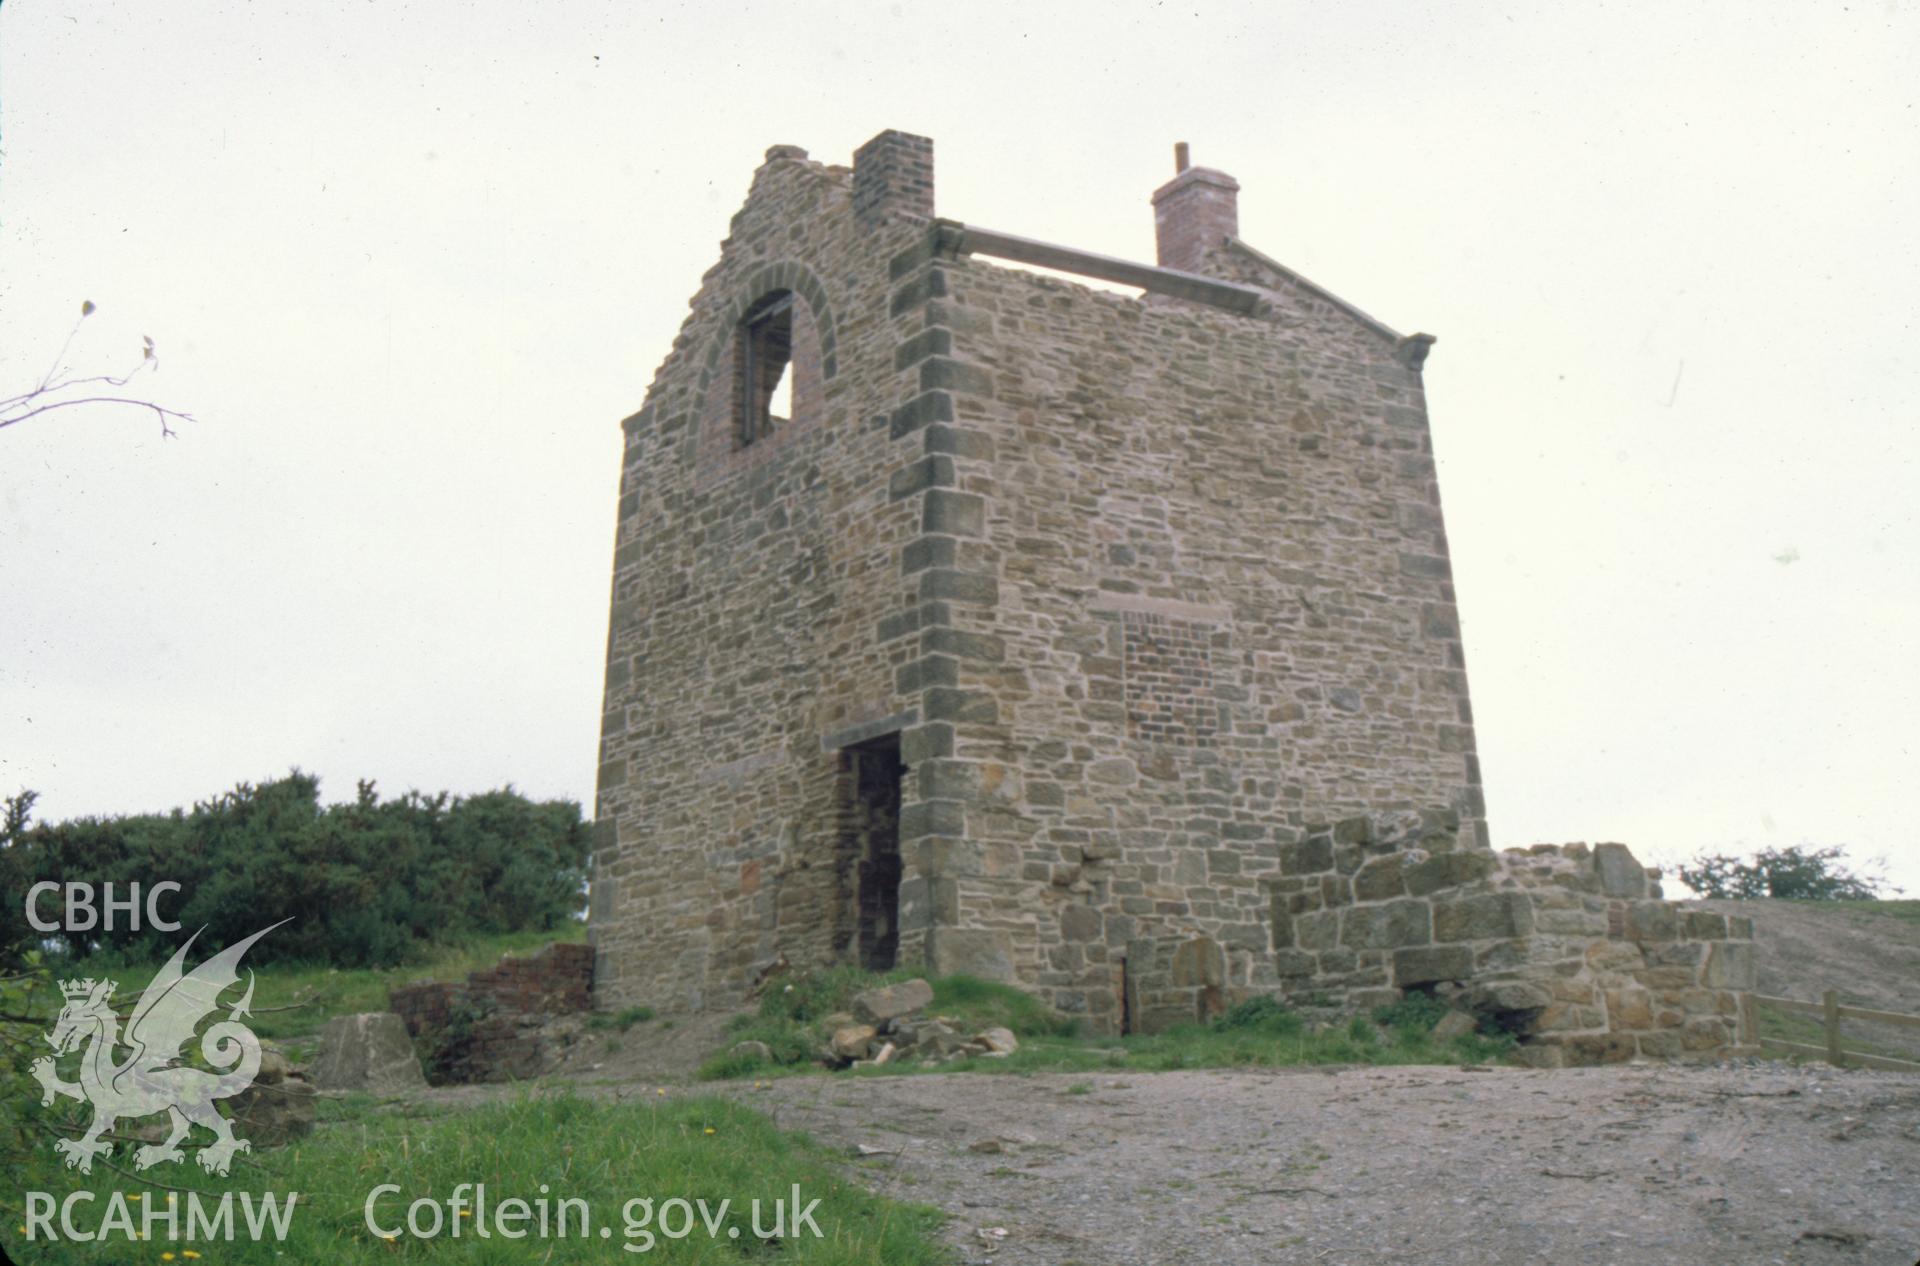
(159, 411)
(40, 398)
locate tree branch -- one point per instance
(159, 411)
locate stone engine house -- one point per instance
(974, 619)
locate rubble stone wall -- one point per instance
(496, 1024)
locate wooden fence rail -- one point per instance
(1831, 1011)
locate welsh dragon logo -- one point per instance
(151, 1078)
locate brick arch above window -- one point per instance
(784, 304)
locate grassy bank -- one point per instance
(292, 1000)
(535, 1147)
(1869, 942)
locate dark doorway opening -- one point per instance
(876, 778)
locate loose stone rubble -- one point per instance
(899, 1031)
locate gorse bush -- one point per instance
(367, 883)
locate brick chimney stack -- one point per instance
(892, 173)
(1198, 209)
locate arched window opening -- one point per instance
(766, 348)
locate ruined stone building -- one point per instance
(971, 618)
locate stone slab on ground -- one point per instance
(369, 1052)
(889, 1002)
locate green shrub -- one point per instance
(368, 883)
(1794, 873)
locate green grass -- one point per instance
(1202, 1046)
(1797, 1026)
(323, 992)
(621, 1020)
(1258, 1033)
(606, 1154)
(984, 1004)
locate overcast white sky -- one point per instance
(409, 264)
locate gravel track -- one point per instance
(1747, 1163)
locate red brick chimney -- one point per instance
(1199, 208)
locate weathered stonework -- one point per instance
(1041, 639)
(500, 1023)
(1570, 948)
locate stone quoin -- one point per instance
(978, 621)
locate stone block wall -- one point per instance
(1571, 948)
(1200, 603)
(758, 623)
(1622, 972)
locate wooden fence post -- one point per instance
(1833, 1028)
(1749, 1021)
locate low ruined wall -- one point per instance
(1569, 947)
(1611, 971)
(495, 1026)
